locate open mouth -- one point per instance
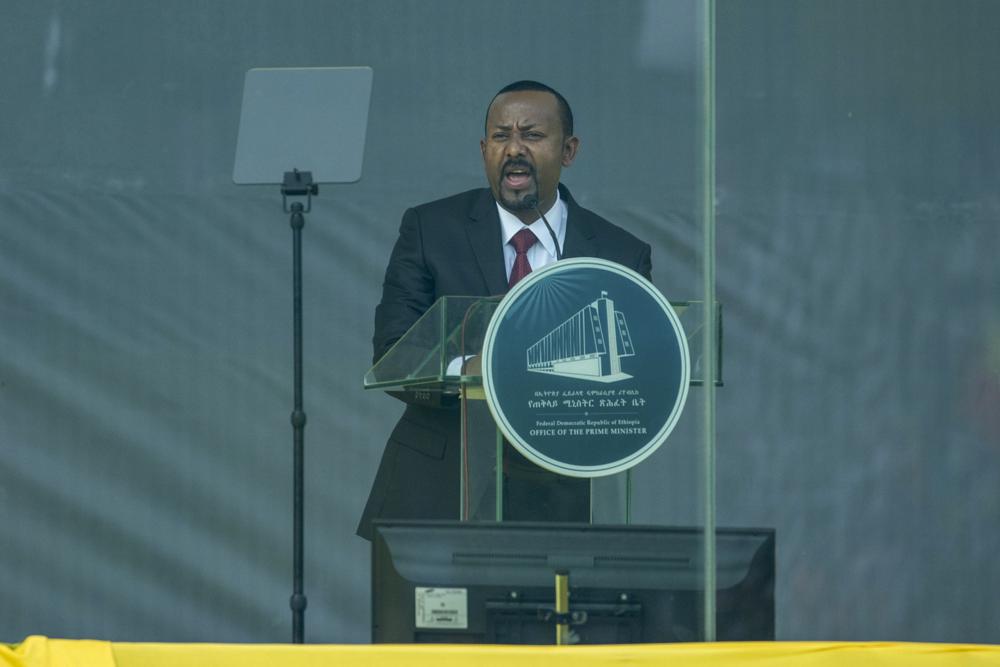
(517, 176)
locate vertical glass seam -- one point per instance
(708, 289)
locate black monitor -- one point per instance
(493, 583)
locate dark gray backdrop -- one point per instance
(145, 315)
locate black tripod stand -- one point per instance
(297, 184)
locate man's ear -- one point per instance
(570, 146)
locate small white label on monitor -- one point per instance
(442, 608)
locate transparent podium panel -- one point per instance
(609, 499)
(482, 471)
(692, 317)
(429, 357)
(482, 460)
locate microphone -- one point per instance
(532, 201)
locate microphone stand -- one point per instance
(532, 201)
(297, 184)
(551, 233)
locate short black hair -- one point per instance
(565, 113)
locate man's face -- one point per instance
(524, 151)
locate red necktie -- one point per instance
(521, 241)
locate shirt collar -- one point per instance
(555, 215)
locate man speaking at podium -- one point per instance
(479, 243)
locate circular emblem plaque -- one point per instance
(585, 367)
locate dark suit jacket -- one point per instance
(453, 247)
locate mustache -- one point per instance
(518, 163)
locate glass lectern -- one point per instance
(436, 363)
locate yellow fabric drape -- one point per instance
(42, 652)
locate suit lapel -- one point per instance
(483, 230)
(580, 233)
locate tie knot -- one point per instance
(523, 240)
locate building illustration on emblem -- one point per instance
(587, 346)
